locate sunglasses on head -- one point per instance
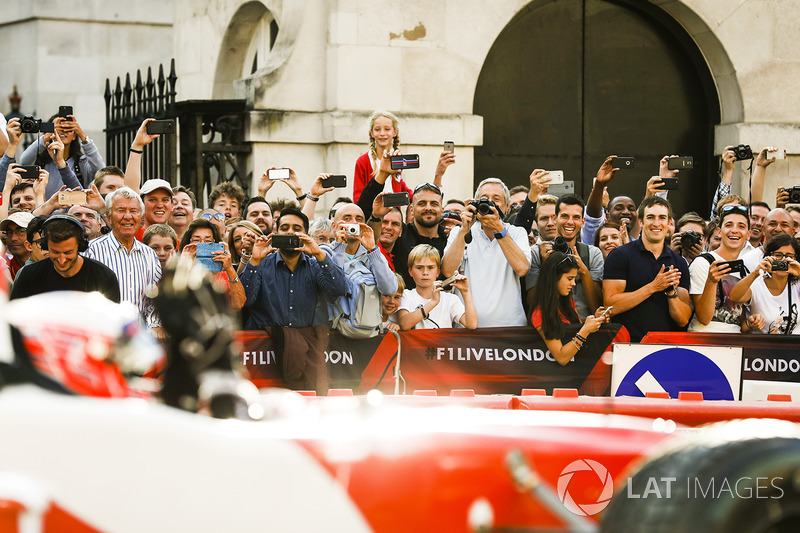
(569, 259)
(430, 187)
(735, 208)
(218, 216)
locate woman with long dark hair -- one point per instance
(553, 307)
(776, 297)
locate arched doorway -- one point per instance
(567, 83)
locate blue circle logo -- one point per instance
(677, 370)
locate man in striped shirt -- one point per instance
(135, 264)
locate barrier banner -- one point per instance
(770, 363)
(487, 360)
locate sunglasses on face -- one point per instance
(218, 216)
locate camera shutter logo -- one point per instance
(603, 475)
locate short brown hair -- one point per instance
(162, 230)
(229, 189)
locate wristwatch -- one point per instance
(501, 234)
(87, 141)
(673, 293)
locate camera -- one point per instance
(689, 238)
(743, 152)
(794, 195)
(32, 125)
(780, 265)
(352, 229)
(484, 206)
(560, 245)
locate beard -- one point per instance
(427, 224)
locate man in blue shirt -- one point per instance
(645, 281)
(281, 288)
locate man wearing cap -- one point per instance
(157, 197)
(135, 264)
(15, 230)
(66, 269)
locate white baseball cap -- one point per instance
(20, 218)
(152, 185)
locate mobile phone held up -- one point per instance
(28, 172)
(680, 163)
(556, 177)
(777, 154)
(204, 255)
(669, 184)
(335, 180)
(285, 242)
(158, 127)
(395, 199)
(72, 197)
(402, 162)
(278, 173)
(622, 163)
(64, 111)
(449, 146)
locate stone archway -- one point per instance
(566, 83)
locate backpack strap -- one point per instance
(583, 252)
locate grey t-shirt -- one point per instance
(595, 268)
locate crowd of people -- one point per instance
(501, 258)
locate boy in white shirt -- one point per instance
(426, 306)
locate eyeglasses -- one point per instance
(429, 186)
(38, 243)
(778, 255)
(18, 231)
(218, 216)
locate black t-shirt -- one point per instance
(40, 277)
(406, 242)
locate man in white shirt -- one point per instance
(776, 222)
(494, 259)
(136, 265)
(712, 278)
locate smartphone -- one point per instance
(737, 267)
(402, 162)
(606, 311)
(622, 163)
(680, 163)
(446, 283)
(335, 180)
(777, 154)
(556, 177)
(670, 184)
(396, 199)
(204, 254)
(28, 172)
(65, 111)
(449, 146)
(286, 242)
(278, 173)
(568, 187)
(160, 126)
(72, 197)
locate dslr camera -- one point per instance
(32, 125)
(743, 152)
(689, 238)
(794, 195)
(560, 245)
(484, 206)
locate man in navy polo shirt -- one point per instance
(645, 281)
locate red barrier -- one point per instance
(687, 412)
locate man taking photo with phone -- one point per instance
(282, 288)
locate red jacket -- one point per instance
(363, 174)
